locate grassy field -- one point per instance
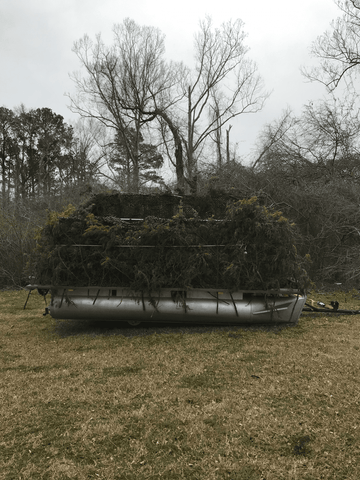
(92, 403)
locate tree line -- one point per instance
(41, 156)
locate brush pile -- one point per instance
(148, 242)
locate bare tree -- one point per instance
(121, 82)
(272, 136)
(222, 85)
(338, 48)
(130, 85)
(321, 145)
(223, 79)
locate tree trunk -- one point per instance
(179, 158)
(228, 145)
(192, 167)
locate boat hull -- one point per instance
(175, 306)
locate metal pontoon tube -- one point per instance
(171, 305)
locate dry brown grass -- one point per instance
(208, 405)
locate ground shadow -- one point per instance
(91, 328)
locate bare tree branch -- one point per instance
(338, 49)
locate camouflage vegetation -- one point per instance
(189, 242)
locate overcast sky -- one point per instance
(36, 39)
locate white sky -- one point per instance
(36, 38)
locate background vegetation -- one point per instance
(140, 112)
